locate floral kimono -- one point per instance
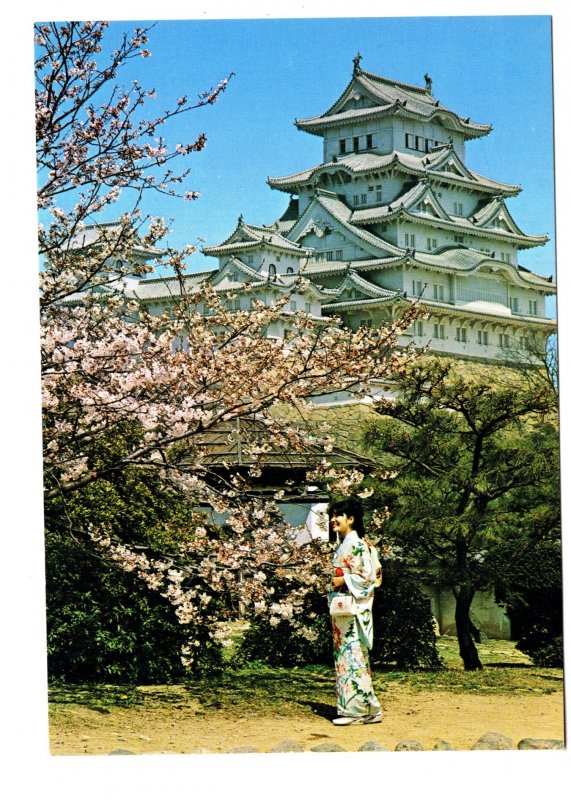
(353, 635)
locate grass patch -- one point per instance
(259, 690)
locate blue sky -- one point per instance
(495, 70)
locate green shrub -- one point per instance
(533, 592)
(283, 645)
(403, 629)
(105, 625)
(404, 633)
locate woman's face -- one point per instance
(342, 524)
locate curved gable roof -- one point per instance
(390, 97)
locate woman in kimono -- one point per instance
(353, 634)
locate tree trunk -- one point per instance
(468, 651)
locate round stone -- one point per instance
(287, 746)
(411, 744)
(494, 741)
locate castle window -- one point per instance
(514, 305)
(355, 143)
(272, 271)
(483, 337)
(533, 308)
(504, 340)
(369, 141)
(364, 199)
(293, 305)
(365, 323)
(461, 335)
(339, 255)
(289, 271)
(308, 308)
(342, 145)
(417, 328)
(525, 343)
(458, 209)
(409, 239)
(431, 244)
(417, 288)
(355, 199)
(439, 332)
(438, 291)
(329, 255)
(379, 194)
(459, 239)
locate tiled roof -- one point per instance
(229, 442)
(335, 305)
(254, 235)
(463, 259)
(108, 231)
(354, 279)
(420, 165)
(326, 268)
(342, 214)
(391, 97)
(454, 259)
(163, 288)
(476, 224)
(479, 310)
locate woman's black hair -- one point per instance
(353, 508)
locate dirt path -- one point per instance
(460, 719)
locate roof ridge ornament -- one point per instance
(428, 81)
(356, 64)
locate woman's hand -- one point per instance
(337, 582)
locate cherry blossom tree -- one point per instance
(160, 383)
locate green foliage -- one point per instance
(103, 623)
(474, 464)
(403, 629)
(533, 592)
(285, 644)
(403, 622)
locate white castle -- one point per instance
(391, 216)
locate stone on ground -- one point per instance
(494, 741)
